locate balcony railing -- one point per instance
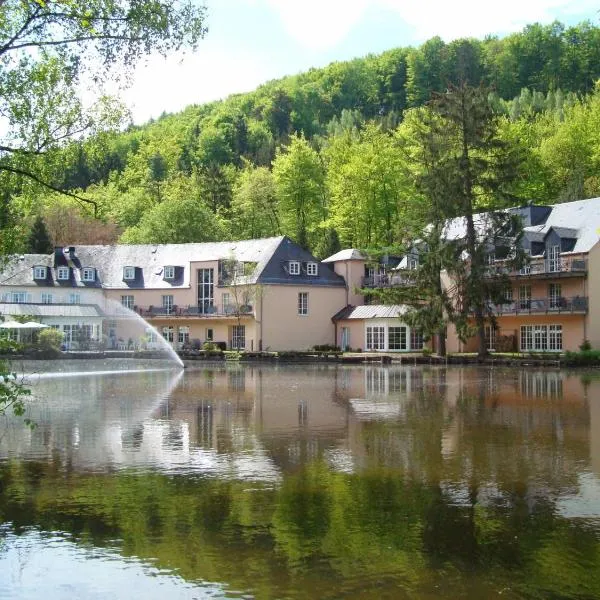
(576, 304)
(386, 280)
(542, 266)
(207, 311)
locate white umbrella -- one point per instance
(34, 325)
(12, 325)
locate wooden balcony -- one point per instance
(207, 312)
(562, 305)
(543, 267)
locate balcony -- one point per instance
(386, 280)
(562, 305)
(207, 311)
(558, 267)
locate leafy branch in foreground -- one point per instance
(54, 51)
(13, 392)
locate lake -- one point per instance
(145, 481)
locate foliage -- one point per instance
(469, 169)
(585, 357)
(39, 241)
(50, 339)
(299, 179)
(13, 392)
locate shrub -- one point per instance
(326, 348)
(585, 346)
(50, 339)
(583, 358)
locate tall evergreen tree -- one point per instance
(39, 241)
(474, 170)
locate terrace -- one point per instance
(203, 311)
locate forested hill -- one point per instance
(316, 147)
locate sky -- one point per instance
(250, 42)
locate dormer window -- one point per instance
(413, 263)
(312, 268)
(169, 272)
(40, 272)
(128, 273)
(88, 274)
(294, 267)
(62, 273)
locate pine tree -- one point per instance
(39, 241)
(473, 171)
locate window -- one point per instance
(238, 337)
(169, 334)
(169, 272)
(413, 263)
(209, 334)
(89, 274)
(507, 295)
(167, 303)
(74, 298)
(526, 268)
(490, 337)
(490, 258)
(62, 273)
(312, 268)
(19, 297)
(294, 267)
(555, 337)
(39, 272)
(183, 335)
(525, 297)
(128, 273)
(416, 339)
(227, 308)
(554, 259)
(397, 338)
(554, 295)
(302, 303)
(206, 286)
(375, 338)
(127, 301)
(541, 338)
(46, 298)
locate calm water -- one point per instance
(301, 482)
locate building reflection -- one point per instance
(446, 424)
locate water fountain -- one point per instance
(136, 328)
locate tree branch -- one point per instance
(77, 40)
(35, 178)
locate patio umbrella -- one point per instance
(12, 325)
(34, 325)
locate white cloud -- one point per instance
(475, 18)
(177, 82)
(319, 24)
(322, 24)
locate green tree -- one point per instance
(467, 177)
(39, 241)
(366, 186)
(254, 211)
(181, 217)
(50, 50)
(300, 185)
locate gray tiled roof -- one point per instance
(581, 217)
(372, 311)
(149, 260)
(348, 254)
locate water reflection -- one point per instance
(320, 481)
